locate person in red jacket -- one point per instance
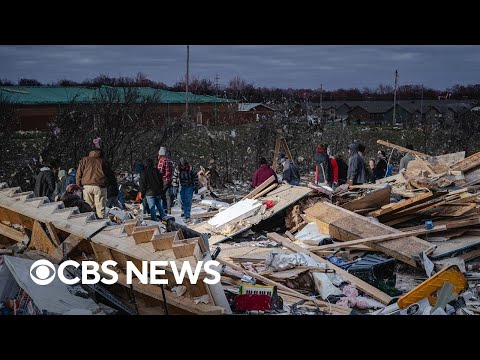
(263, 173)
(333, 166)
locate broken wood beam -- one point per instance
(374, 199)
(265, 191)
(11, 233)
(468, 163)
(402, 205)
(259, 188)
(378, 238)
(401, 148)
(362, 285)
(345, 225)
(53, 233)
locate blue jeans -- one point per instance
(294, 182)
(186, 196)
(155, 201)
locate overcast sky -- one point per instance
(296, 66)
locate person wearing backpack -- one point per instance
(323, 172)
(187, 178)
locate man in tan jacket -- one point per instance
(91, 175)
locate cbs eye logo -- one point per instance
(42, 272)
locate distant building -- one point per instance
(37, 106)
(250, 112)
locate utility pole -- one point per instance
(421, 106)
(395, 99)
(186, 83)
(321, 107)
(216, 95)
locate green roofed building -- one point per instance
(38, 105)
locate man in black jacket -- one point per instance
(151, 186)
(381, 168)
(45, 183)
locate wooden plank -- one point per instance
(405, 204)
(425, 165)
(379, 238)
(259, 188)
(163, 241)
(470, 255)
(11, 233)
(362, 285)
(186, 248)
(144, 234)
(345, 225)
(401, 148)
(325, 306)
(53, 233)
(290, 235)
(468, 163)
(40, 240)
(454, 210)
(400, 220)
(453, 246)
(266, 191)
(373, 199)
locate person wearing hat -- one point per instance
(73, 197)
(61, 183)
(187, 178)
(165, 166)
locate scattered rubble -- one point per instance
(405, 245)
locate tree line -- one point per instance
(244, 91)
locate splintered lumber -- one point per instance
(11, 233)
(266, 191)
(332, 308)
(260, 188)
(454, 210)
(425, 165)
(401, 148)
(53, 233)
(40, 240)
(374, 199)
(345, 225)
(378, 238)
(468, 163)
(405, 204)
(362, 285)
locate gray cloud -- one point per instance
(296, 66)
